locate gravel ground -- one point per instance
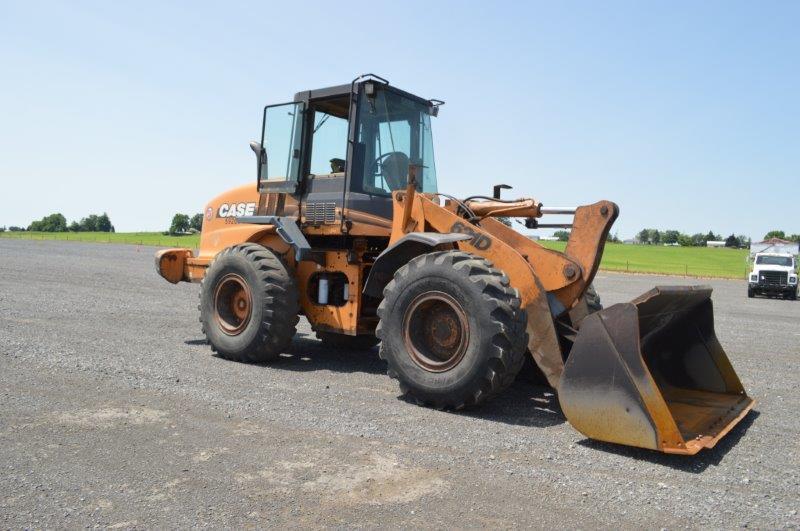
(114, 413)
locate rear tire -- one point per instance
(345, 342)
(751, 293)
(248, 304)
(452, 330)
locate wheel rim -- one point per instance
(232, 304)
(435, 331)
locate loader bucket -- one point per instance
(651, 373)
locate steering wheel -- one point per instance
(394, 168)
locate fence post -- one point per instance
(627, 266)
(686, 270)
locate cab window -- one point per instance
(328, 144)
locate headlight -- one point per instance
(753, 278)
(792, 279)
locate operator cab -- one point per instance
(343, 150)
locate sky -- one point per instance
(686, 114)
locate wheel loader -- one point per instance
(346, 226)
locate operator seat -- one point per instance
(394, 169)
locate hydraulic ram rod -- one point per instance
(558, 210)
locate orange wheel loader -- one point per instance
(346, 226)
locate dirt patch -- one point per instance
(113, 416)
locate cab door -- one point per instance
(281, 148)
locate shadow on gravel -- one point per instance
(522, 404)
(311, 355)
(693, 464)
(203, 341)
(195, 342)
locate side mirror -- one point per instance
(261, 153)
(261, 159)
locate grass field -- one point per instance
(139, 238)
(688, 261)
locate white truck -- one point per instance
(773, 274)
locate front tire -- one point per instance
(452, 330)
(248, 304)
(751, 293)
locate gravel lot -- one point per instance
(114, 413)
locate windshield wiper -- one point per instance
(324, 119)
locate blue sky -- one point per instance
(685, 113)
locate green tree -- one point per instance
(2, 229)
(794, 238)
(74, 227)
(180, 224)
(775, 234)
(655, 236)
(643, 236)
(196, 222)
(89, 224)
(14, 228)
(562, 235)
(52, 223)
(732, 241)
(711, 237)
(685, 240)
(104, 224)
(744, 241)
(699, 240)
(671, 236)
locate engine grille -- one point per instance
(320, 213)
(774, 278)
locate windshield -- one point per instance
(395, 132)
(775, 260)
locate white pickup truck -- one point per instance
(773, 274)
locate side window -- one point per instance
(281, 138)
(328, 144)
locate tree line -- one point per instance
(182, 224)
(674, 237)
(58, 223)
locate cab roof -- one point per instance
(340, 91)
